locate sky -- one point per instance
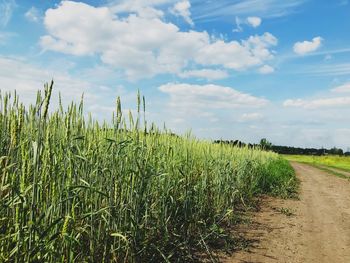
(222, 69)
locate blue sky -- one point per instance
(226, 69)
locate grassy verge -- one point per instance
(337, 162)
(279, 179)
(75, 190)
(329, 170)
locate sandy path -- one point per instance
(318, 231)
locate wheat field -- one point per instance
(75, 190)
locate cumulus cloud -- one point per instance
(336, 102)
(209, 96)
(254, 21)
(345, 88)
(145, 46)
(305, 47)
(33, 14)
(266, 69)
(209, 74)
(238, 56)
(182, 9)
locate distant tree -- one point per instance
(265, 144)
(335, 151)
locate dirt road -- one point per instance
(315, 228)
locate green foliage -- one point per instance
(74, 190)
(265, 144)
(278, 178)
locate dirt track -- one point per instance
(317, 231)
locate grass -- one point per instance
(335, 165)
(75, 190)
(338, 162)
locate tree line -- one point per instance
(268, 146)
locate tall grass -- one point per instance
(75, 190)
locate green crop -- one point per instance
(75, 190)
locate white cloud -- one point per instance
(33, 14)
(249, 117)
(209, 74)
(254, 21)
(336, 102)
(209, 97)
(302, 48)
(143, 46)
(266, 69)
(6, 10)
(345, 88)
(182, 9)
(238, 56)
(18, 74)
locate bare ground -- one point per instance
(315, 228)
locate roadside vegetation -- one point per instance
(75, 190)
(333, 161)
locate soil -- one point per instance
(315, 228)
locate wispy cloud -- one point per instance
(328, 70)
(251, 117)
(209, 74)
(215, 10)
(5, 36)
(33, 15)
(330, 52)
(345, 88)
(6, 10)
(319, 103)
